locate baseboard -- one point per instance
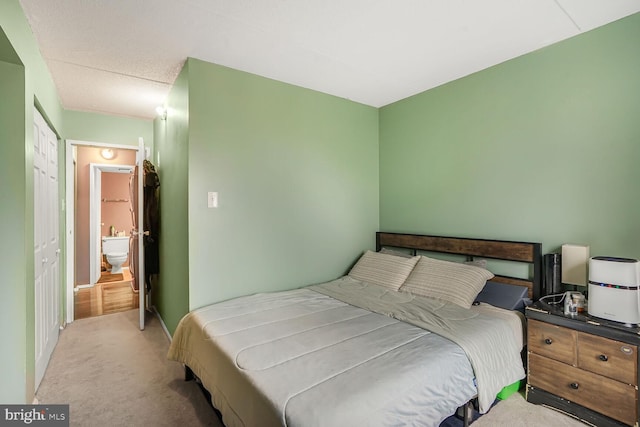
(164, 327)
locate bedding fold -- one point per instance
(490, 343)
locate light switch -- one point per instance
(213, 199)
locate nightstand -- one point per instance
(583, 365)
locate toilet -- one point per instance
(116, 249)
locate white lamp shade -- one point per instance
(575, 260)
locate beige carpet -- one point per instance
(517, 412)
(111, 373)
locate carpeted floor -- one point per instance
(111, 373)
(517, 412)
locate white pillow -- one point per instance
(381, 269)
(447, 281)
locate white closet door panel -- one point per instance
(46, 244)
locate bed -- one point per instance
(400, 340)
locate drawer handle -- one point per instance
(603, 357)
(574, 386)
(548, 341)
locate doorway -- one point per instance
(110, 290)
(110, 209)
(87, 164)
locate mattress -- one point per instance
(346, 353)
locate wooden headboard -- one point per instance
(525, 252)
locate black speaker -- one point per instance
(552, 274)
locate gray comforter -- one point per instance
(344, 353)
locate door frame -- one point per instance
(95, 194)
(142, 286)
(70, 144)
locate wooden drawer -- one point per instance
(613, 359)
(552, 341)
(604, 395)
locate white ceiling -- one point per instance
(122, 56)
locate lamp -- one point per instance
(107, 153)
(575, 259)
(162, 112)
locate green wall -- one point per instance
(297, 177)
(12, 228)
(171, 294)
(545, 147)
(95, 127)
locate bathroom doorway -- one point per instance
(99, 203)
(110, 217)
(110, 208)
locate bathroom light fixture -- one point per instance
(162, 112)
(107, 153)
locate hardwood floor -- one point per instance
(112, 293)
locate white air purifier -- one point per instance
(614, 292)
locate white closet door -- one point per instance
(46, 243)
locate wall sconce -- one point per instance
(162, 112)
(107, 153)
(575, 260)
